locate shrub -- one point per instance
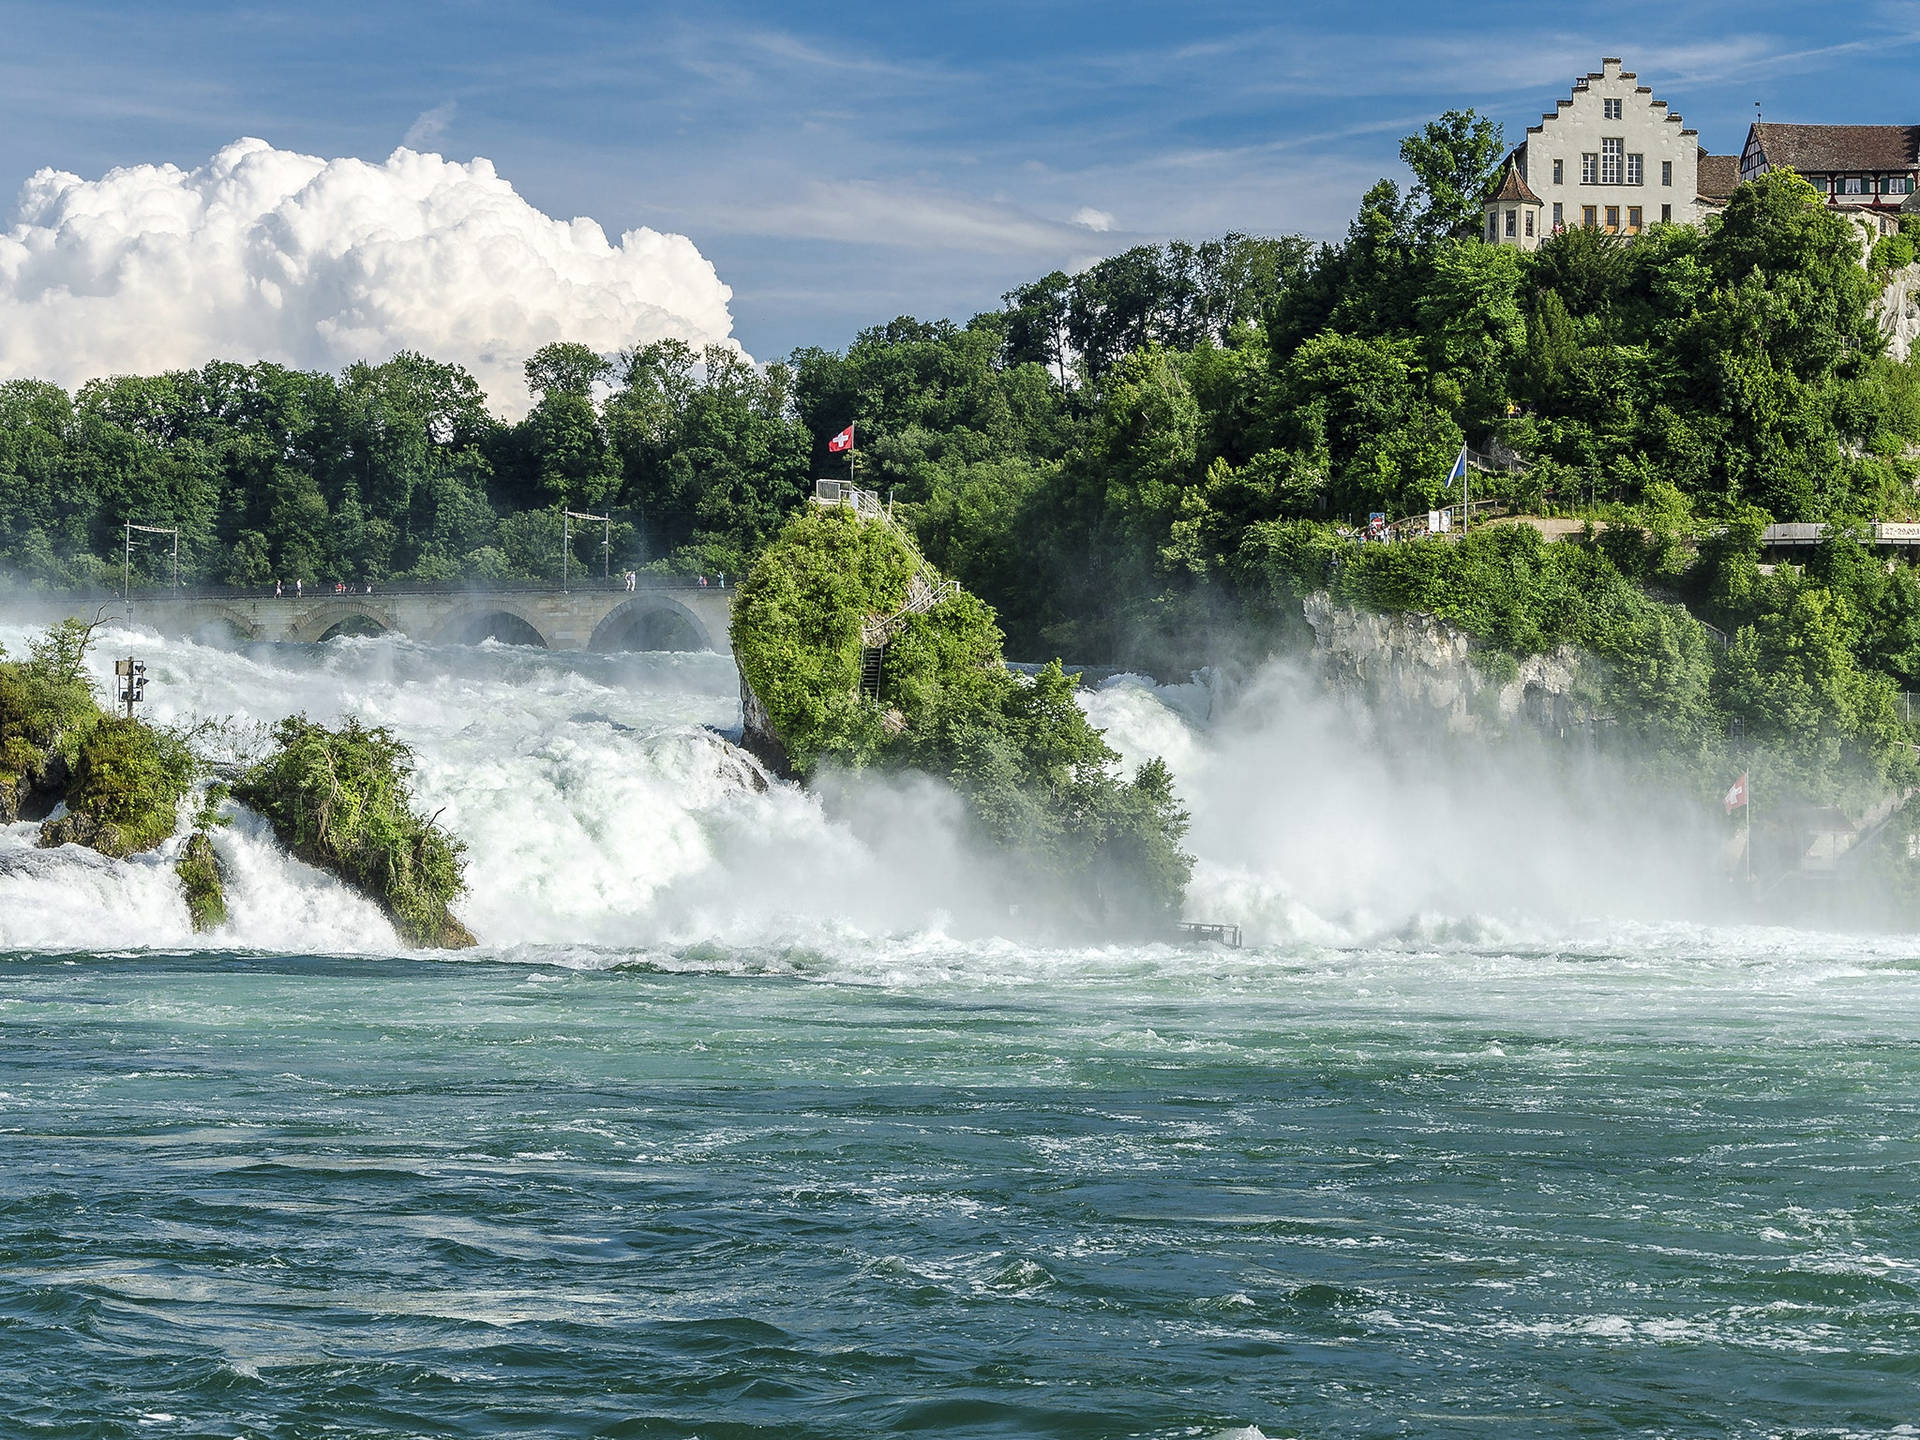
(203, 883)
(46, 705)
(339, 799)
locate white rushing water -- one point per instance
(607, 821)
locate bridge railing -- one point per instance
(593, 585)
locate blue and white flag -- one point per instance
(1459, 471)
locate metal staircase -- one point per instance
(872, 658)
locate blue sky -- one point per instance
(841, 164)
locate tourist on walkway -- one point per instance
(277, 591)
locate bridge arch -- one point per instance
(650, 622)
(493, 617)
(223, 626)
(341, 617)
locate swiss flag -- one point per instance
(1737, 796)
(842, 441)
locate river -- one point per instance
(750, 1117)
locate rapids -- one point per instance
(751, 1117)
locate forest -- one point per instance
(1168, 448)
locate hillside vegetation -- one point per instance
(1145, 462)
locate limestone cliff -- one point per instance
(1416, 664)
(1898, 310)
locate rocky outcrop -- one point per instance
(757, 735)
(1416, 664)
(32, 794)
(1898, 310)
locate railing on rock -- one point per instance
(925, 588)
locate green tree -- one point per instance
(566, 368)
(1453, 160)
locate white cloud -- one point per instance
(271, 255)
(426, 130)
(1093, 219)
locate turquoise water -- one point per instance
(1465, 1189)
(753, 1117)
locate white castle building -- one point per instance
(1610, 157)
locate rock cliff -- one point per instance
(1898, 310)
(757, 735)
(1418, 665)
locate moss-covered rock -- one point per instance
(1040, 782)
(339, 799)
(203, 882)
(125, 789)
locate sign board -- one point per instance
(1376, 524)
(1900, 532)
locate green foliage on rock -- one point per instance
(203, 883)
(1038, 779)
(124, 794)
(46, 706)
(339, 799)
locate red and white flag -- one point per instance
(1737, 796)
(842, 441)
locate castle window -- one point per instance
(1666, 172)
(1636, 169)
(1493, 227)
(1633, 219)
(1529, 224)
(1613, 219)
(1611, 109)
(1856, 185)
(1559, 216)
(1611, 153)
(1589, 168)
(1559, 172)
(1513, 223)
(1666, 214)
(1586, 216)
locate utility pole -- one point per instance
(126, 555)
(566, 543)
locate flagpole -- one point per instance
(850, 480)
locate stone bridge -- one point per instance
(657, 618)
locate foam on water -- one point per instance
(608, 823)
